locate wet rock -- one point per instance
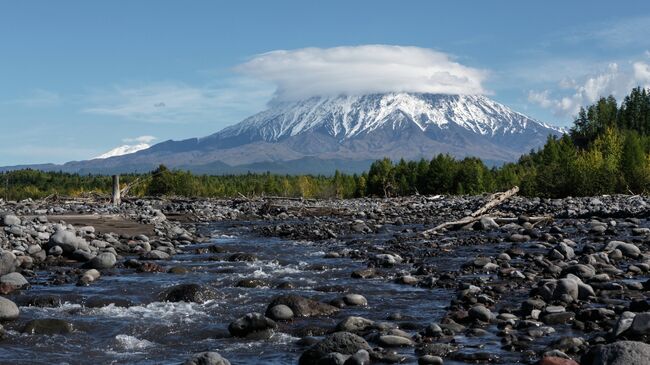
(155, 255)
(566, 287)
(188, 293)
(44, 301)
(480, 313)
(7, 262)
(48, 326)
(361, 357)
(251, 283)
(516, 237)
(640, 325)
(303, 307)
(623, 324)
(149, 267)
(584, 272)
(436, 349)
(88, 277)
(355, 300)
(178, 270)
(68, 241)
(104, 260)
(207, 358)
(553, 360)
(430, 360)
(558, 318)
(487, 223)
(364, 273)
(345, 343)
(618, 353)
(387, 260)
(333, 358)
(242, 257)
(474, 357)
(8, 310)
(627, 249)
(394, 341)
(280, 312)
(252, 325)
(354, 324)
(15, 279)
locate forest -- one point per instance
(606, 151)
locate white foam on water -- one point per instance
(131, 343)
(166, 311)
(277, 338)
(316, 253)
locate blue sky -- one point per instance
(78, 78)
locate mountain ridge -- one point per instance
(347, 128)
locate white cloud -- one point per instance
(141, 139)
(641, 71)
(168, 102)
(306, 72)
(614, 80)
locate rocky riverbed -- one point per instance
(363, 281)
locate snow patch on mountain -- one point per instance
(124, 150)
(346, 117)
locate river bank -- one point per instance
(335, 281)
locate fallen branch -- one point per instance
(494, 201)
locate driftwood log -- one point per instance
(493, 201)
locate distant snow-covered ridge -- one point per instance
(124, 150)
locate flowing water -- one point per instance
(118, 320)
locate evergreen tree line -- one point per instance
(607, 151)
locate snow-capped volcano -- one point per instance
(346, 117)
(322, 134)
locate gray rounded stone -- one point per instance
(207, 358)
(104, 260)
(8, 310)
(355, 299)
(16, 279)
(619, 353)
(10, 220)
(395, 341)
(481, 313)
(430, 360)
(280, 312)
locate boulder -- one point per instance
(355, 300)
(207, 358)
(188, 293)
(354, 324)
(394, 341)
(7, 262)
(104, 260)
(8, 310)
(68, 241)
(16, 279)
(345, 343)
(48, 326)
(480, 313)
(10, 220)
(618, 353)
(252, 325)
(280, 312)
(303, 307)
